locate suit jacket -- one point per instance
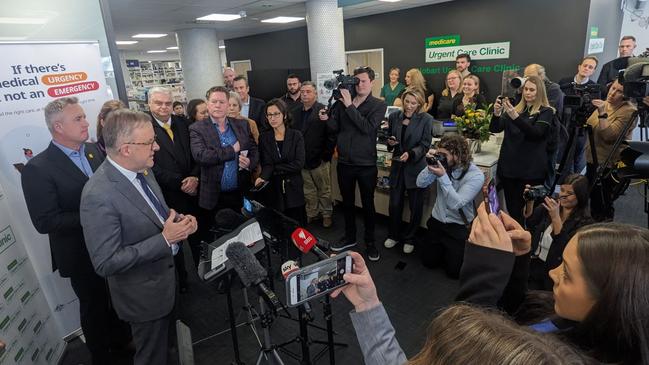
(52, 186)
(208, 153)
(284, 172)
(173, 163)
(256, 113)
(416, 142)
(126, 245)
(319, 139)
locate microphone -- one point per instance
(635, 70)
(305, 242)
(251, 272)
(288, 268)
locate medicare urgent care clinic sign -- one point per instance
(446, 48)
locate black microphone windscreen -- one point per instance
(245, 264)
(228, 219)
(634, 71)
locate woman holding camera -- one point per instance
(470, 96)
(282, 159)
(523, 158)
(607, 122)
(552, 224)
(410, 137)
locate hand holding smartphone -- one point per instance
(490, 195)
(318, 279)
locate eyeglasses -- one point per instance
(273, 115)
(150, 144)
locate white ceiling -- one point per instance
(166, 16)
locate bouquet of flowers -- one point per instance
(474, 124)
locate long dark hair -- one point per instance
(615, 263)
(192, 107)
(579, 185)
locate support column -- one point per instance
(201, 60)
(324, 23)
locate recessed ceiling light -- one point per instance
(222, 47)
(390, 1)
(125, 42)
(157, 51)
(174, 47)
(219, 17)
(282, 19)
(11, 20)
(150, 35)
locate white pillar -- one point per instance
(324, 23)
(201, 60)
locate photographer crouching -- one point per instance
(458, 182)
(356, 120)
(607, 123)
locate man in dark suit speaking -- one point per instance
(52, 182)
(131, 233)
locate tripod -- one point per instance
(268, 350)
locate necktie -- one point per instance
(149, 193)
(167, 127)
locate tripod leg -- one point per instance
(330, 331)
(233, 327)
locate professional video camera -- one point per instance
(636, 80)
(341, 81)
(581, 102)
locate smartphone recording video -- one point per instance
(318, 279)
(492, 204)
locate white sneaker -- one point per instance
(389, 243)
(407, 248)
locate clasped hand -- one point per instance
(178, 227)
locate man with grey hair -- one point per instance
(132, 234)
(174, 168)
(228, 78)
(319, 143)
(52, 182)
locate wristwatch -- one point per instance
(605, 115)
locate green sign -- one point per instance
(594, 31)
(443, 41)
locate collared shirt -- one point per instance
(245, 108)
(77, 157)
(580, 83)
(162, 124)
(229, 180)
(132, 177)
(453, 194)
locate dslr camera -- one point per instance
(537, 192)
(438, 157)
(636, 81)
(341, 81)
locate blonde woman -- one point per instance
(415, 80)
(410, 137)
(523, 154)
(470, 95)
(453, 88)
(234, 111)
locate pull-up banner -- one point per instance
(31, 75)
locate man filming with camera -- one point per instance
(458, 182)
(356, 120)
(607, 123)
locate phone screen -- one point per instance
(247, 205)
(318, 279)
(491, 198)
